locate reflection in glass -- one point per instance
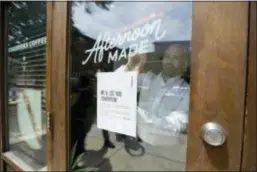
(26, 82)
(151, 39)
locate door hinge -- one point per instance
(49, 122)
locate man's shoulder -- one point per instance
(182, 85)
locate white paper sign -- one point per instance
(117, 102)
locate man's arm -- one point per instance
(179, 117)
(136, 63)
(143, 79)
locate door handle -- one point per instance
(213, 134)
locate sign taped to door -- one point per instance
(117, 102)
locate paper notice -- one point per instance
(117, 102)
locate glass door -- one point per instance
(136, 82)
(130, 84)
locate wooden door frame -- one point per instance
(59, 86)
(249, 144)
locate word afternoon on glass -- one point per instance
(107, 42)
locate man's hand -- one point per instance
(178, 121)
(136, 63)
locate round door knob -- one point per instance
(213, 134)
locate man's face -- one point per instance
(173, 63)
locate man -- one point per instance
(163, 105)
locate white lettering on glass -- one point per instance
(106, 41)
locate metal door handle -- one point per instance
(213, 134)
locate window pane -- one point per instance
(26, 81)
(129, 84)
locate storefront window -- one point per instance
(129, 85)
(26, 82)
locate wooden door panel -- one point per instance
(218, 69)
